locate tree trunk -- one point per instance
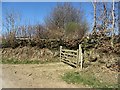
(113, 25)
(94, 27)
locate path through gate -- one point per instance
(73, 57)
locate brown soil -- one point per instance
(35, 76)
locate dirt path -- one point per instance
(36, 76)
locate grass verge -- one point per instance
(16, 61)
(86, 79)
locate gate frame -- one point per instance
(79, 56)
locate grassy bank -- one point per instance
(86, 79)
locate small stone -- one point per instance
(30, 74)
(15, 72)
(108, 65)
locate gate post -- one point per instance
(60, 53)
(80, 56)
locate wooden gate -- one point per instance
(73, 57)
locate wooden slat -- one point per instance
(66, 50)
(69, 54)
(70, 60)
(65, 59)
(66, 56)
(69, 63)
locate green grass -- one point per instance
(15, 61)
(86, 79)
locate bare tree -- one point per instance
(113, 24)
(10, 25)
(95, 21)
(11, 21)
(61, 17)
(105, 16)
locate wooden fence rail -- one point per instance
(73, 57)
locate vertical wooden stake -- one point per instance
(78, 58)
(80, 55)
(81, 59)
(60, 53)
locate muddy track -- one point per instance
(36, 76)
